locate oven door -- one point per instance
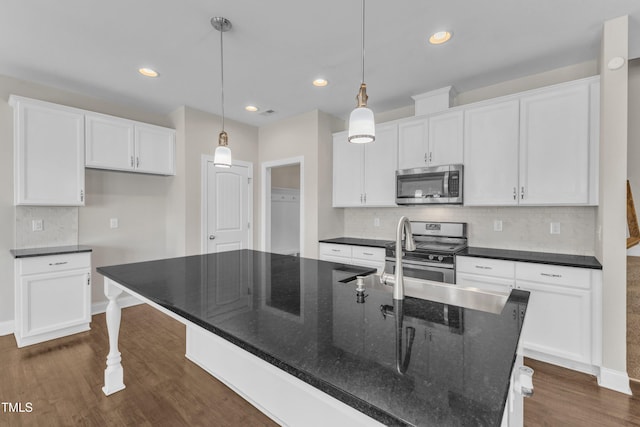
(421, 271)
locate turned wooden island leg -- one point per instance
(113, 375)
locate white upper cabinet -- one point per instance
(364, 174)
(431, 141)
(121, 144)
(491, 154)
(48, 153)
(554, 146)
(535, 148)
(109, 143)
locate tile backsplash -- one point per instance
(523, 228)
(59, 226)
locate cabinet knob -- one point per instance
(211, 237)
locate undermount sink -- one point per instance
(444, 293)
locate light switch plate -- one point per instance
(37, 225)
(376, 222)
(497, 225)
(113, 222)
(554, 228)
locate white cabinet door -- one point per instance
(49, 154)
(54, 301)
(380, 162)
(413, 143)
(554, 146)
(491, 154)
(446, 138)
(348, 172)
(558, 321)
(155, 149)
(109, 143)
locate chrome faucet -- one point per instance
(398, 279)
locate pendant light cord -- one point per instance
(222, 76)
(362, 41)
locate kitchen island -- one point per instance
(292, 336)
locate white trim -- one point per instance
(206, 158)
(266, 199)
(7, 327)
(124, 301)
(614, 380)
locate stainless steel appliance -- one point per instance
(434, 256)
(433, 185)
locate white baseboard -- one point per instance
(125, 301)
(614, 380)
(6, 327)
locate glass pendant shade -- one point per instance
(362, 126)
(222, 157)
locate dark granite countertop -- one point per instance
(52, 250)
(536, 257)
(357, 241)
(302, 316)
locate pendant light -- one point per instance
(362, 126)
(222, 157)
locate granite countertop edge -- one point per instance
(357, 241)
(549, 258)
(47, 251)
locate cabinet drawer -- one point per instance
(554, 275)
(52, 263)
(368, 253)
(485, 266)
(335, 250)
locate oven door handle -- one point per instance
(421, 265)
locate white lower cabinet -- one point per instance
(563, 320)
(363, 256)
(52, 297)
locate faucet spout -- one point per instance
(410, 245)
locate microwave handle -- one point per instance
(445, 184)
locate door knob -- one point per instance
(211, 237)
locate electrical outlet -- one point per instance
(37, 225)
(376, 222)
(554, 228)
(113, 223)
(497, 225)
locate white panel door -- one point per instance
(554, 146)
(491, 134)
(109, 143)
(227, 208)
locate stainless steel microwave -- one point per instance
(432, 185)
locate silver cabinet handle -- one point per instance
(365, 198)
(367, 253)
(88, 279)
(82, 195)
(550, 275)
(360, 198)
(211, 237)
(521, 192)
(426, 160)
(515, 193)
(430, 157)
(59, 263)
(131, 161)
(336, 250)
(482, 267)
(137, 161)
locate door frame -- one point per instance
(204, 213)
(266, 199)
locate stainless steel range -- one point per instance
(434, 257)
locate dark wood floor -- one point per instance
(62, 379)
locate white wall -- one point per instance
(611, 215)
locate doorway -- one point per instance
(283, 206)
(227, 208)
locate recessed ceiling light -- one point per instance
(251, 108)
(320, 82)
(148, 72)
(440, 37)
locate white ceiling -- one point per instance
(276, 48)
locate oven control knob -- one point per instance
(430, 256)
(440, 258)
